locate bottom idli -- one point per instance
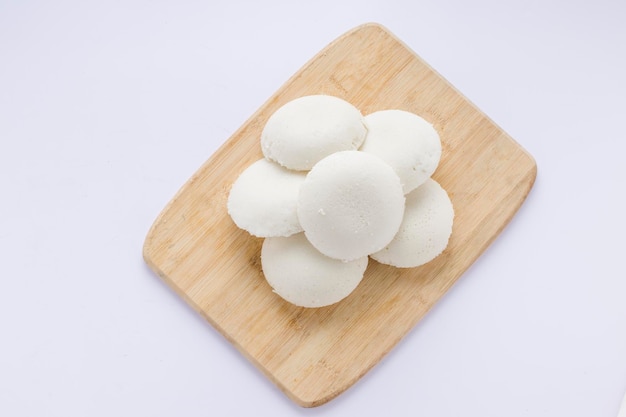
(301, 275)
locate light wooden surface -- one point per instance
(313, 355)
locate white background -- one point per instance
(106, 108)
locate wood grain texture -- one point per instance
(313, 355)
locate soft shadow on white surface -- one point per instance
(106, 109)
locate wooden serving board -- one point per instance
(313, 355)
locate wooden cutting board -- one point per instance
(313, 355)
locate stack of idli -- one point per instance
(335, 188)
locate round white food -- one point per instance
(350, 205)
(303, 276)
(263, 200)
(406, 142)
(425, 229)
(309, 128)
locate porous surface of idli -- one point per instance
(263, 200)
(309, 128)
(303, 276)
(407, 142)
(350, 205)
(425, 229)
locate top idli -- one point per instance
(309, 128)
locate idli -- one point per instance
(407, 142)
(303, 276)
(309, 128)
(263, 200)
(350, 205)
(425, 229)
